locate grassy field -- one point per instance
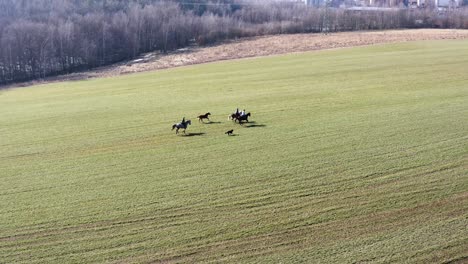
(353, 155)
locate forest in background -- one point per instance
(40, 38)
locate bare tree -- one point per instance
(39, 38)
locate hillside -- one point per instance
(258, 47)
(352, 155)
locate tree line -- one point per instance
(39, 38)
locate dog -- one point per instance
(229, 133)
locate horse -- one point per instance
(245, 117)
(183, 125)
(205, 116)
(233, 116)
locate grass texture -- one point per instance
(352, 156)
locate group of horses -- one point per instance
(236, 117)
(239, 117)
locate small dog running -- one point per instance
(229, 133)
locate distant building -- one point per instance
(447, 3)
(387, 3)
(371, 8)
(315, 3)
(435, 3)
(441, 4)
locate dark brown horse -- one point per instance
(205, 116)
(233, 116)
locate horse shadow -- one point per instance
(253, 124)
(194, 134)
(256, 125)
(212, 122)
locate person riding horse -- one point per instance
(237, 115)
(244, 117)
(182, 125)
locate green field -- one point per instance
(353, 155)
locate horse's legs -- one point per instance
(177, 131)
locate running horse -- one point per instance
(181, 125)
(241, 118)
(233, 116)
(205, 116)
(237, 117)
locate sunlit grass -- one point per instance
(353, 155)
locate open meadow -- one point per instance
(352, 155)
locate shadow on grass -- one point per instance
(193, 134)
(253, 124)
(212, 122)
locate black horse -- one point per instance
(181, 125)
(240, 118)
(205, 116)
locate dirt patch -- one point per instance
(260, 46)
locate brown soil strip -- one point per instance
(260, 46)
